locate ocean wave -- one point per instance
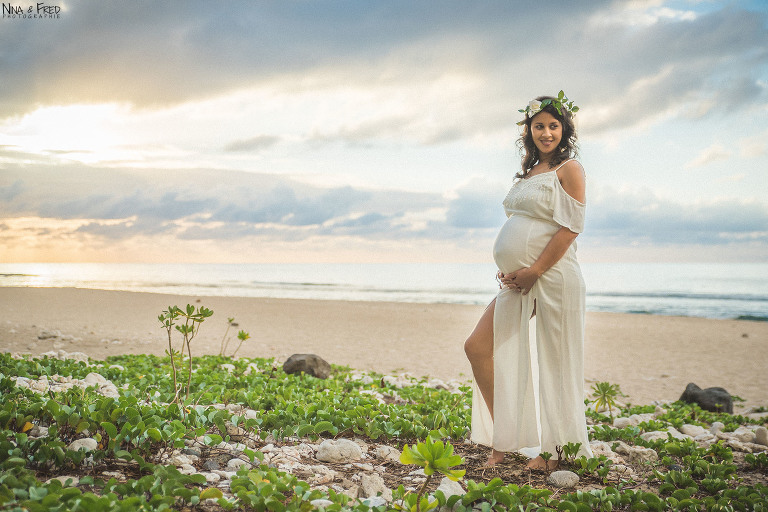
(682, 295)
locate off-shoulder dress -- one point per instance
(539, 361)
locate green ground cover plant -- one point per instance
(154, 414)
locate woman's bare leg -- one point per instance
(479, 350)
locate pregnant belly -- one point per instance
(520, 242)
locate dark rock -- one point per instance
(309, 364)
(674, 467)
(710, 399)
(211, 465)
(192, 451)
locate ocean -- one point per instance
(711, 290)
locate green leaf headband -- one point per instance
(560, 103)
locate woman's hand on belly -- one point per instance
(521, 280)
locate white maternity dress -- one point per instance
(539, 361)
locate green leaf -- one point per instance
(123, 454)
(197, 478)
(154, 434)
(305, 429)
(211, 492)
(110, 429)
(323, 426)
(14, 462)
(411, 457)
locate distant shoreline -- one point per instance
(682, 289)
(749, 318)
(651, 357)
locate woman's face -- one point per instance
(547, 132)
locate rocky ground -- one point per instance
(370, 470)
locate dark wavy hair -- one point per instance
(568, 147)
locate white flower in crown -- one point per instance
(533, 108)
(561, 103)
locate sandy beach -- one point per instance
(650, 357)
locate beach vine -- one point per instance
(187, 322)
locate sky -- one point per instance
(374, 131)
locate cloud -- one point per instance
(214, 206)
(477, 204)
(258, 143)
(624, 218)
(203, 203)
(711, 154)
(182, 52)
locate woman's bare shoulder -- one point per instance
(572, 178)
(571, 170)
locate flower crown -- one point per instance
(560, 103)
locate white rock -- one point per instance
(397, 382)
(756, 448)
(622, 422)
(603, 448)
(738, 445)
(655, 435)
(180, 459)
(450, 488)
(236, 464)
(640, 454)
(306, 450)
(692, 430)
(563, 479)
(387, 453)
(322, 475)
(23, 382)
(659, 411)
(187, 469)
(38, 431)
(761, 436)
(417, 472)
(744, 435)
(211, 478)
(116, 367)
(228, 367)
(252, 367)
(621, 471)
(109, 390)
(438, 384)
(45, 334)
(704, 437)
(362, 444)
(373, 485)
(339, 451)
(321, 503)
(88, 444)
(363, 466)
(95, 379)
(716, 427)
(374, 501)
(39, 386)
(677, 434)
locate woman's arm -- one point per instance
(571, 177)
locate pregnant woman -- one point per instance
(527, 350)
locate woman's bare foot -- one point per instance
(540, 464)
(494, 458)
